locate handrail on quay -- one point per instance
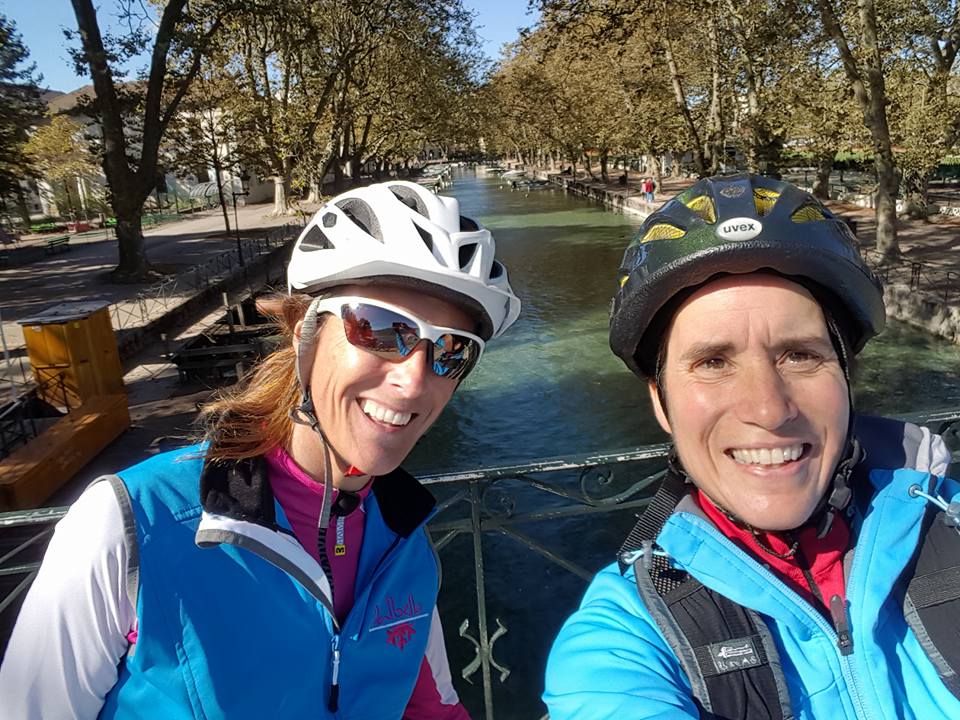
(496, 501)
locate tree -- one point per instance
(854, 31)
(203, 133)
(134, 118)
(20, 107)
(61, 155)
(923, 92)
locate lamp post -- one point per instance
(244, 191)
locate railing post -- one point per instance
(476, 529)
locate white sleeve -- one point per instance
(436, 656)
(72, 630)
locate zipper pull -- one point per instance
(334, 702)
(838, 612)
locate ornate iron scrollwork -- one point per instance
(596, 485)
(497, 501)
(475, 664)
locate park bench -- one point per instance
(219, 360)
(57, 244)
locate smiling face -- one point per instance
(756, 398)
(372, 409)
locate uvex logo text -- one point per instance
(740, 228)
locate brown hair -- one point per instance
(253, 417)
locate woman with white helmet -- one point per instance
(282, 568)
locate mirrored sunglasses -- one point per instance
(393, 333)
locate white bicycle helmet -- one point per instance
(399, 232)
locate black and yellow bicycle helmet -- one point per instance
(738, 224)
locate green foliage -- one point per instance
(19, 105)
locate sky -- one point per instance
(40, 21)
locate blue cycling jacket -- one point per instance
(610, 659)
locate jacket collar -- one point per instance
(241, 490)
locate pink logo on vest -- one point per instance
(400, 635)
(397, 619)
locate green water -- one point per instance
(551, 386)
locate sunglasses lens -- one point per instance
(454, 355)
(391, 335)
(379, 330)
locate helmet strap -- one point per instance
(304, 415)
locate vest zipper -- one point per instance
(334, 702)
(838, 612)
(836, 606)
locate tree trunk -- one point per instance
(714, 142)
(886, 207)
(604, 173)
(314, 195)
(133, 265)
(681, 99)
(71, 212)
(588, 164)
(223, 201)
(916, 184)
(655, 170)
(281, 195)
(821, 185)
(22, 210)
(869, 88)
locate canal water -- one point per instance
(551, 386)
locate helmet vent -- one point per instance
(466, 254)
(410, 198)
(496, 270)
(808, 213)
(425, 236)
(663, 231)
(362, 216)
(764, 200)
(315, 239)
(468, 225)
(702, 205)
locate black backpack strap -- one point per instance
(931, 604)
(726, 651)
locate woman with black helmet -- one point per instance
(281, 569)
(799, 561)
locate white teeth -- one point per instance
(385, 415)
(767, 456)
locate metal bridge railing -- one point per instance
(935, 282)
(570, 496)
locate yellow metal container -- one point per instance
(74, 340)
